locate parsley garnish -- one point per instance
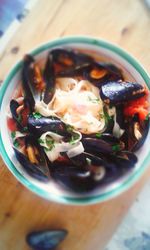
(73, 139)
(13, 134)
(16, 143)
(19, 119)
(94, 100)
(147, 117)
(40, 140)
(25, 129)
(37, 115)
(69, 128)
(116, 147)
(107, 117)
(50, 143)
(98, 135)
(101, 116)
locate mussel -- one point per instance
(69, 58)
(32, 81)
(14, 105)
(136, 132)
(49, 78)
(46, 239)
(119, 92)
(34, 161)
(19, 113)
(77, 71)
(99, 73)
(43, 124)
(105, 144)
(84, 172)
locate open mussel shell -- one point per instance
(118, 92)
(135, 133)
(99, 73)
(63, 57)
(35, 160)
(72, 176)
(46, 239)
(143, 128)
(49, 78)
(115, 73)
(69, 58)
(125, 159)
(32, 81)
(77, 71)
(79, 176)
(120, 115)
(14, 105)
(105, 144)
(44, 124)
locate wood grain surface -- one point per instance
(126, 23)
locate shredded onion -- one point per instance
(59, 146)
(77, 150)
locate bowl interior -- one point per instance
(52, 190)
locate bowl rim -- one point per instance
(60, 198)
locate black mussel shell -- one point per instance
(63, 57)
(136, 132)
(124, 159)
(74, 177)
(13, 108)
(49, 78)
(46, 239)
(44, 124)
(96, 73)
(69, 58)
(75, 71)
(39, 169)
(119, 92)
(99, 73)
(68, 168)
(105, 144)
(32, 81)
(82, 58)
(115, 73)
(36, 171)
(120, 115)
(97, 145)
(143, 127)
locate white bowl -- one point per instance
(52, 191)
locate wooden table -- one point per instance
(126, 23)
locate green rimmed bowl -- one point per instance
(52, 191)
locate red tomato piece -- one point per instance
(11, 124)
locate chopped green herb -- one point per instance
(37, 115)
(94, 100)
(13, 134)
(107, 117)
(50, 143)
(101, 116)
(19, 119)
(98, 135)
(40, 140)
(16, 143)
(116, 147)
(69, 128)
(74, 137)
(25, 129)
(147, 117)
(47, 149)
